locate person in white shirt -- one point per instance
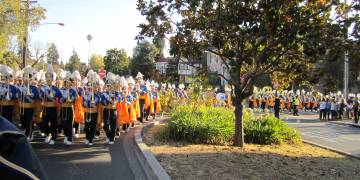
(333, 109)
(322, 109)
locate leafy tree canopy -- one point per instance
(143, 59)
(116, 61)
(73, 63)
(52, 54)
(97, 62)
(252, 37)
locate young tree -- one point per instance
(9, 16)
(73, 63)
(252, 37)
(16, 17)
(116, 61)
(97, 62)
(52, 54)
(143, 59)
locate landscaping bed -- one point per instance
(184, 160)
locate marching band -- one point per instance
(60, 102)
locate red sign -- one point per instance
(102, 73)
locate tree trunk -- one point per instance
(239, 129)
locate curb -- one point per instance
(346, 124)
(332, 149)
(149, 163)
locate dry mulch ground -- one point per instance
(300, 161)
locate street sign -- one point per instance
(102, 73)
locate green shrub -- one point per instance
(267, 129)
(215, 125)
(201, 124)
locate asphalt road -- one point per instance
(98, 162)
(335, 136)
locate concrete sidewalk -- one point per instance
(346, 123)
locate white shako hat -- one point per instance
(139, 75)
(6, 72)
(91, 77)
(100, 82)
(152, 83)
(76, 76)
(123, 82)
(42, 78)
(110, 78)
(90, 72)
(50, 74)
(18, 74)
(181, 86)
(173, 86)
(39, 75)
(61, 74)
(29, 72)
(130, 80)
(117, 79)
(68, 76)
(147, 84)
(169, 86)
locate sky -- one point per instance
(112, 23)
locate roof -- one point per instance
(163, 59)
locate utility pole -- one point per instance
(346, 68)
(25, 38)
(346, 75)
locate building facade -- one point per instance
(186, 71)
(216, 66)
(161, 65)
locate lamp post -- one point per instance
(60, 24)
(89, 38)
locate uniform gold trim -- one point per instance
(7, 103)
(26, 105)
(49, 104)
(67, 104)
(110, 107)
(90, 110)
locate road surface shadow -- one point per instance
(79, 161)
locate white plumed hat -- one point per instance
(139, 75)
(101, 82)
(123, 81)
(110, 78)
(76, 76)
(6, 71)
(68, 75)
(50, 71)
(28, 72)
(130, 80)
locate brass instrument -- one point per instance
(21, 100)
(8, 92)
